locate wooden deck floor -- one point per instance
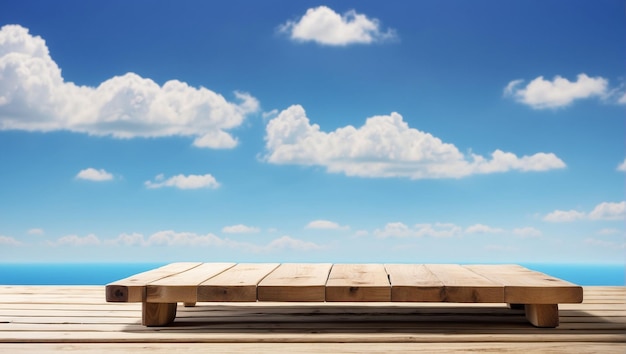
(77, 319)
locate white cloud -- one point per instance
(608, 231)
(605, 243)
(564, 216)
(609, 211)
(602, 211)
(482, 229)
(91, 174)
(560, 92)
(184, 182)
(74, 240)
(385, 146)
(134, 239)
(9, 241)
(35, 97)
(240, 229)
(361, 233)
(400, 230)
(325, 225)
(527, 232)
(173, 238)
(290, 243)
(324, 26)
(622, 166)
(36, 231)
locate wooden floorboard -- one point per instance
(77, 319)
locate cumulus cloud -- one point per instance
(622, 166)
(527, 232)
(560, 92)
(482, 229)
(400, 230)
(9, 241)
(91, 174)
(183, 182)
(609, 211)
(385, 146)
(564, 216)
(325, 225)
(240, 229)
(324, 26)
(602, 211)
(35, 97)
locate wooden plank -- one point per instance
(183, 287)
(525, 286)
(133, 288)
(295, 282)
(464, 285)
(238, 283)
(306, 348)
(414, 282)
(358, 282)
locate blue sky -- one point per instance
(405, 131)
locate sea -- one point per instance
(104, 273)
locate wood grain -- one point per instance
(295, 282)
(358, 282)
(463, 285)
(545, 316)
(525, 286)
(157, 314)
(238, 283)
(133, 288)
(414, 282)
(77, 319)
(183, 286)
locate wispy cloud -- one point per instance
(325, 26)
(240, 229)
(171, 238)
(36, 231)
(605, 243)
(91, 174)
(602, 211)
(385, 146)
(608, 231)
(622, 166)
(183, 182)
(527, 232)
(398, 229)
(9, 241)
(325, 225)
(75, 240)
(35, 97)
(482, 229)
(288, 242)
(560, 92)
(174, 238)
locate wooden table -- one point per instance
(159, 290)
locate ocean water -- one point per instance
(103, 273)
